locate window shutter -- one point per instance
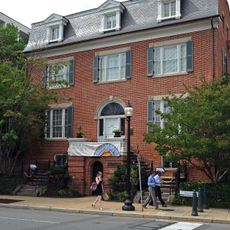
(44, 73)
(189, 56)
(150, 65)
(224, 62)
(150, 115)
(47, 134)
(128, 65)
(96, 69)
(101, 127)
(71, 72)
(68, 125)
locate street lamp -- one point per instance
(128, 203)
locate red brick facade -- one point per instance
(87, 97)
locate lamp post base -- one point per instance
(128, 206)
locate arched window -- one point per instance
(112, 116)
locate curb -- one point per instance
(118, 213)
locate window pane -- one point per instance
(111, 21)
(183, 57)
(157, 62)
(57, 123)
(112, 67)
(55, 33)
(166, 9)
(173, 8)
(170, 60)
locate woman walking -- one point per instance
(99, 190)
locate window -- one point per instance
(168, 9)
(54, 33)
(59, 122)
(170, 59)
(59, 74)
(153, 116)
(112, 67)
(110, 21)
(112, 116)
(60, 160)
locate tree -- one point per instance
(197, 129)
(22, 103)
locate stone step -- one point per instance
(27, 190)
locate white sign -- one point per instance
(187, 193)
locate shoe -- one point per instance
(144, 206)
(164, 205)
(93, 205)
(157, 207)
(100, 208)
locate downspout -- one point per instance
(213, 50)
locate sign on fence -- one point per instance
(187, 193)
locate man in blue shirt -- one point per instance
(157, 180)
(151, 188)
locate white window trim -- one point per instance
(59, 61)
(51, 124)
(160, 17)
(178, 45)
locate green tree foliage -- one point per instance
(22, 103)
(198, 129)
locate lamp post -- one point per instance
(128, 203)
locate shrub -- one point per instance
(9, 183)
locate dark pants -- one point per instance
(158, 194)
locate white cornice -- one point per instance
(127, 38)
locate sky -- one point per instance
(31, 11)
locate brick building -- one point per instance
(137, 51)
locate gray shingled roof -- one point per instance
(138, 15)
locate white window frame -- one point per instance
(51, 126)
(180, 66)
(163, 109)
(105, 18)
(51, 83)
(161, 8)
(104, 67)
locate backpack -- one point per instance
(93, 186)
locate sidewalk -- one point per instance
(83, 205)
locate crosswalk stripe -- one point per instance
(182, 226)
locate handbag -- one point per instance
(93, 186)
(105, 196)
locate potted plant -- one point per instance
(79, 133)
(117, 132)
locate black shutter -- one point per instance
(44, 73)
(189, 56)
(128, 65)
(69, 119)
(96, 69)
(150, 65)
(101, 127)
(150, 115)
(71, 72)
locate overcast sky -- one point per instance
(30, 11)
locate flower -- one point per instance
(116, 130)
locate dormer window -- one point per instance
(110, 21)
(168, 9)
(111, 15)
(55, 25)
(54, 33)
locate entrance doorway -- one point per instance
(97, 166)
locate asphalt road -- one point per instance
(25, 219)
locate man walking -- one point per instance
(151, 188)
(157, 180)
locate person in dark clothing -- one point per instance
(158, 187)
(99, 190)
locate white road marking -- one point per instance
(182, 226)
(29, 220)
